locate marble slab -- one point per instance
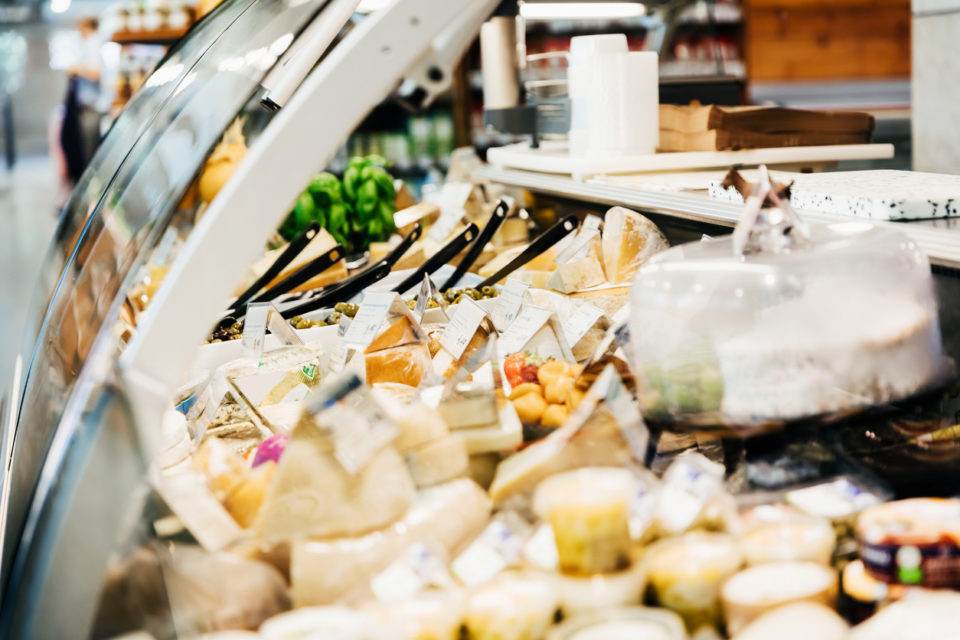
(876, 195)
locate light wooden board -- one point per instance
(552, 157)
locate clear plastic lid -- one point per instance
(778, 322)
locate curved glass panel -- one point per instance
(128, 127)
(136, 207)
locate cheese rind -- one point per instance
(629, 240)
(439, 461)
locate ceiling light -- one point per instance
(580, 10)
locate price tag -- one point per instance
(579, 248)
(428, 291)
(592, 222)
(580, 322)
(357, 424)
(255, 329)
(453, 201)
(541, 549)
(416, 569)
(508, 303)
(462, 326)
(280, 328)
(498, 547)
(370, 316)
(522, 329)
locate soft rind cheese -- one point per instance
(754, 591)
(629, 239)
(799, 621)
(513, 607)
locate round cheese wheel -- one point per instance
(798, 621)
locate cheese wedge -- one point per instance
(320, 244)
(399, 333)
(629, 240)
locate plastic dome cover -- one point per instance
(778, 321)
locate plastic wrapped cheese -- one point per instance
(312, 494)
(799, 621)
(430, 615)
(512, 607)
(219, 591)
(438, 461)
(789, 536)
(588, 512)
(686, 573)
(629, 240)
(327, 571)
(600, 591)
(406, 364)
(598, 441)
(335, 623)
(754, 591)
(627, 623)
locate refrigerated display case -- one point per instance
(92, 548)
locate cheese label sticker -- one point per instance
(579, 248)
(462, 326)
(508, 303)
(280, 328)
(370, 316)
(522, 329)
(417, 568)
(452, 200)
(580, 322)
(255, 329)
(592, 222)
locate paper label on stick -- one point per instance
(522, 329)
(578, 248)
(580, 322)
(370, 316)
(462, 326)
(452, 200)
(255, 329)
(508, 303)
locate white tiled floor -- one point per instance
(28, 215)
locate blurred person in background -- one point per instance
(83, 108)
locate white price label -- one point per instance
(462, 326)
(370, 316)
(417, 568)
(508, 303)
(580, 322)
(452, 201)
(541, 549)
(423, 298)
(578, 248)
(255, 329)
(592, 222)
(522, 329)
(280, 328)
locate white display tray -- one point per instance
(552, 157)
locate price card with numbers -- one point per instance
(581, 321)
(462, 326)
(508, 303)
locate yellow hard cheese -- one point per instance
(629, 240)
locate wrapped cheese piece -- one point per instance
(439, 461)
(219, 591)
(313, 494)
(753, 592)
(605, 430)
(686, 573)
(627, 623)
(588, 511)
(925, 615)
(399, 354)
(800, 621)
(601, 591)
(629, 240)
(579, 266)
(340, 623)
(327, 571)
(788, 537)
(430, 615)
(512, 607)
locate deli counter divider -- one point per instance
(90, 419)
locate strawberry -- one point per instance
(513, 368)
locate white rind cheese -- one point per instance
(629, 240)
